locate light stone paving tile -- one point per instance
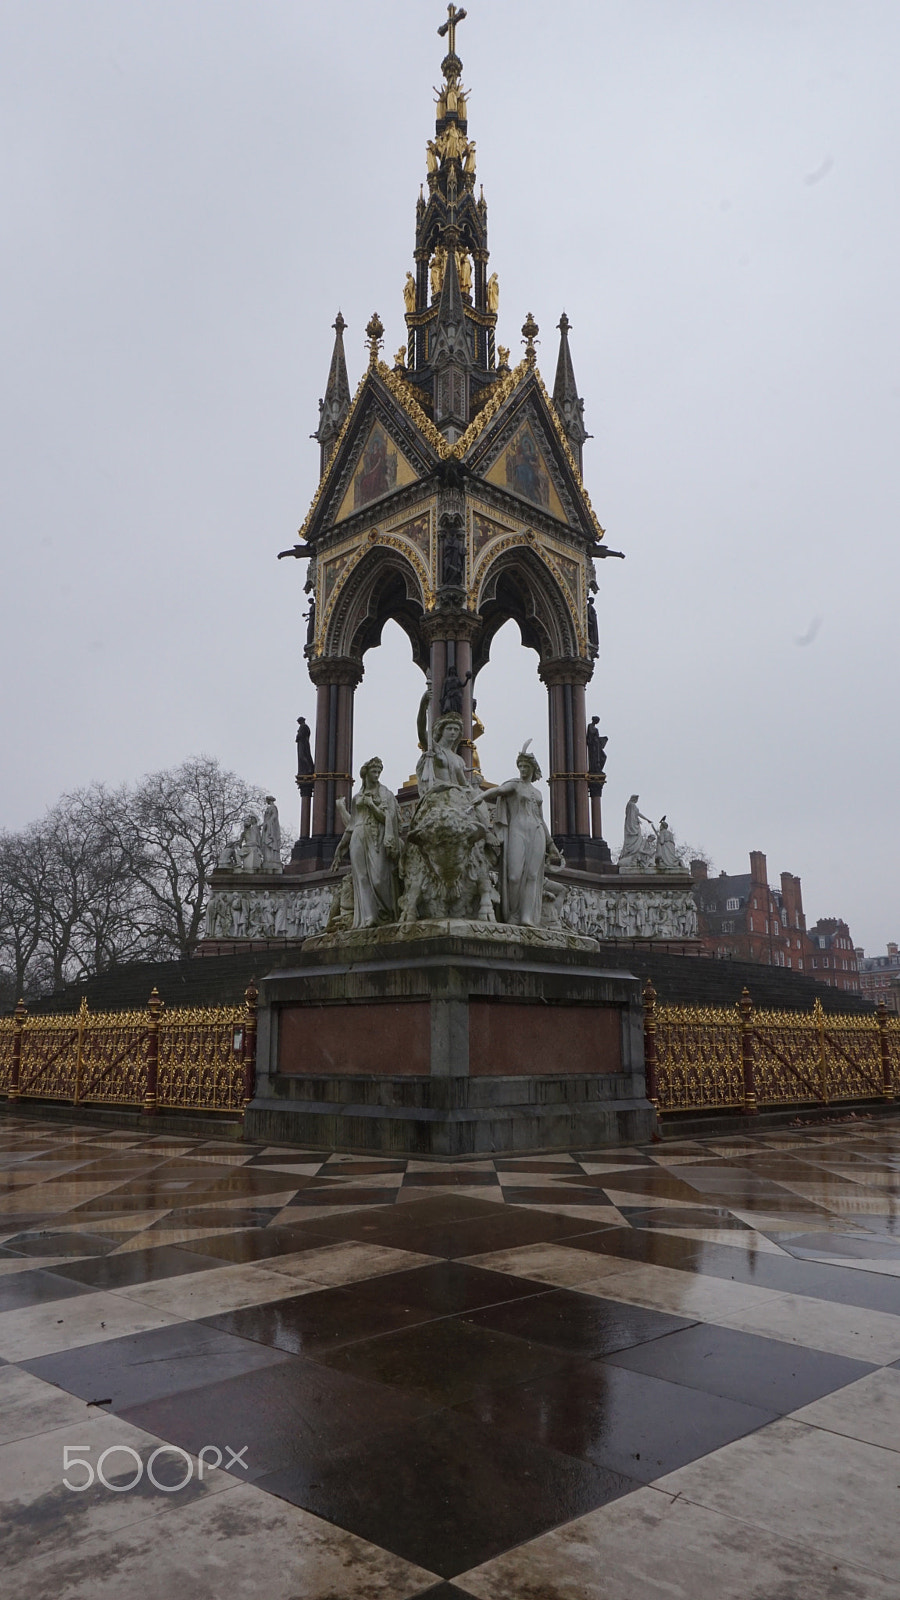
(108, 1227)
(459, 1167)
(214, 1159)
(822, 1325)
(890, 1269)
(303, 1169)
(335, 1264)
(649, 1546)
(736, 1238)
(558, 1264)
(364, 1180)
(486, 1191)
(868, 1410)
(65, 1324)
(28, 1405)
(205, 1294)
(292, 1215)
(655, 1202)
(599, 1168)
(834, 1494)
(684, 1294)
(602, 1216)
(546, 1180)
(45, 1518)
(32, 1264)
(539, 1161)
(26, 1201)
(792, 1221)
(157, 1236)
(243, 1544)
(252, 1200)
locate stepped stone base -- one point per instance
(450, 1041)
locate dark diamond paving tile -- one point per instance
(337, 1194)
(766, 1270)
(447, 1288)
(442, 1207)
(539, 1168)
(626, 1421)
(775, 1376)
(649, 1181)
(145, 1366)
(295, 1415)
(35, 1289)
(135, 1266)
(257, 1244)
(577, 1324)
(443, 1591)
(682, 1217)
(810, 1246)
(210, 1217)
(354, 1169)
(633, 1244)
(61, 1244)
(499, 1228)
(446, 1360)
(446, 1493)
(450, 1180)
(575, 1195)
(308, 1323)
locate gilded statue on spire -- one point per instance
(438, 263)
(409, 293)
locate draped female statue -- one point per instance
(371, 839)
(527, 844)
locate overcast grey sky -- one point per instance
(191, 189)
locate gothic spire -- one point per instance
(450, 345)
(333, 409)
(450, 204)
(568, 402)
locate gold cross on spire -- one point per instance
(455, 14)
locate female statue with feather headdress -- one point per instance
(527, 845)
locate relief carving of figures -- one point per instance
(527, 845)
(371, 840)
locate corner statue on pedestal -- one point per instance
(371, 839)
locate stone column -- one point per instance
(336, 679)
(450, 634)
(570, 816)
(595, 786)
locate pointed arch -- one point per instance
(383, 585)
(519, 584)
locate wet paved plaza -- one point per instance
(666, 1372)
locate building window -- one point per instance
(799, 963)
(734, 905)
(784, 919)
(815, 964)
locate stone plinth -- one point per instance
(450, 1039)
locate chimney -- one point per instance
(699, 870)
(892, 950)
(758, 872)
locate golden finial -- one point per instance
(530, 331)
(375, 336)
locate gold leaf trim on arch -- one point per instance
(527, 539)
(375, 539)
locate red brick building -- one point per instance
(742, 918)
(879, 977)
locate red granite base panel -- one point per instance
(508, 1039)
(382, 1037)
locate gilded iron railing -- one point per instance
(195, 1059)
(702, 1058)
(7, 1047)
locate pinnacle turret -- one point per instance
(566, 399)
(334, 407)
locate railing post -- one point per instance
(19, 1015)
(652, 1088)
(151, 1101)
(748, 1054)
(887, 1077)
(251, 996)
(79, 1048)
(819, 1014)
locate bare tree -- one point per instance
(22, 894)
(171, 829)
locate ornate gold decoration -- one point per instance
(405, 395)
(200, 1058)
(7, 1043)
(698, 1057)
(530, 331)
(500, 394)
(375, 335)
